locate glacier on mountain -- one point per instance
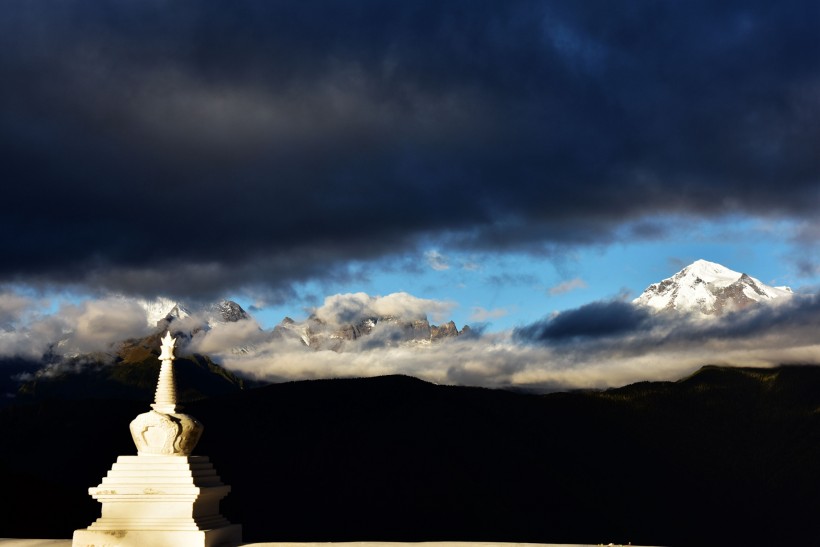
(709, 289)
(162, 308)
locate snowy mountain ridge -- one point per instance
(708, 289)
(159, 309)
(313, 333)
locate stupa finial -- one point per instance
(165, 399)
(167, 347)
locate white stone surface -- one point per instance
(174, 500)
(169, 433)
(423, 544)
(67, 543)
(226, 536)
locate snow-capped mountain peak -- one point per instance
(708, 288)
(224, 311)
(161, 308)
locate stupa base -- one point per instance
(223, 536)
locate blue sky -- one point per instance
(506, 291)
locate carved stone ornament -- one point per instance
(156, 433)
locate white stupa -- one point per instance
(163, 496)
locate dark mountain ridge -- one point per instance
(129, 371)
(725, 456)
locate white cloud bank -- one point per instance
(30, 329)
(498, 361)
(596, 346)
(343, 309)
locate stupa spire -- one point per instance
(165, 399)
(164, 430)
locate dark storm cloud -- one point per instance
(593, 320)
(188, 147)
(800, 315)
(768, 334)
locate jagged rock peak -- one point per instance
(317, 334)
(444, 331)
(708, 288)
(228, 311)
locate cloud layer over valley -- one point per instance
(601, 344)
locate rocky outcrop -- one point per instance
(387, 330)
(448, 330)
(228, 311)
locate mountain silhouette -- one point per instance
(130, 372)
(725, 456)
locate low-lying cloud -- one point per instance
(345, 309)
(73, 328)
(601, 344)
(598, 345)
